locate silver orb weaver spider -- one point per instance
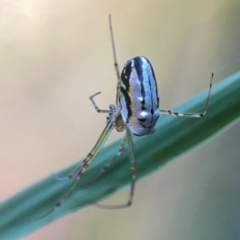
(136, 111)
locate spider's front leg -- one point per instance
(96, 106)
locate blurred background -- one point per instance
(55, 54)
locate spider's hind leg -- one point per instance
(112, 109)
(134, 175)
(70, 176)
(107, 166)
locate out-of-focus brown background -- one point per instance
(55, 54)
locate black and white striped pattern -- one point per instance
(139, 100)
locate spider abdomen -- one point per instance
(139, 100)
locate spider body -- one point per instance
(139, 100)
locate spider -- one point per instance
(136, 111)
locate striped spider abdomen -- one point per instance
(139, 100)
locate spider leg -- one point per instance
(115, 63)
(106, 167)
(96, 107)
(70, 176)
(86, 162)
(192, 115)
(134, 175)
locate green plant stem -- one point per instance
(173, 137)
